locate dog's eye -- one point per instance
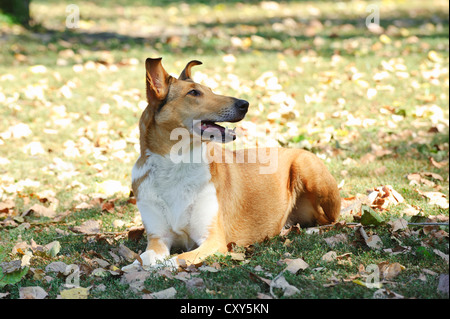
(194, 93)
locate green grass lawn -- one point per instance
(372, 104)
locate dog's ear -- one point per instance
(186, 74)
(157, 80)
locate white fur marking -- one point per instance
(177, 202)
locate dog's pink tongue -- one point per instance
(212, 127)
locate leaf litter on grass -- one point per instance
(380, 66)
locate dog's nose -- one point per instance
(241, 105)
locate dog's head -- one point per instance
(182, 103)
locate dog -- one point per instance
(201, 206)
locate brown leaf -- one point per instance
(329, 256)
(398, 224)
(135, 233)
(88, 227)
(41, 211)
(294, 265)
(281, 282)
(438, 164)
(436, 198)
(383, 196)
(127, 253)
(108, 206)
(368, 158)
(385, 293)
(257, 278)
(334, 240)
(35, 292)
(6, 206)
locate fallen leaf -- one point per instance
(56, 266)
(41, 211)
(208, 268)
(441, 254)
(385, 293)
(389, 271)
(443, 284)
(168, 293)
(135, 279)
(11, 274)
(6, 206)
(337, 239)
(329, 256)
(236, 256)
(35, 292)
(11, 266)
(108, 206)
(436, 198)
(53, 248)
(368, 284)
(370, 217)
(75, 293)
(375, 242)
(281, 283)
(294, 265)
(195, 283)
(135, 233)
(383, 196)
(127, 253)
(88, 227)
(438, 164)
(398, 224)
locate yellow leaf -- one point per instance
(385, 39)
(434, 56)
(75, 293)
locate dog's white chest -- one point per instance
(176, 201)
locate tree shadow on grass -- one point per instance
(215, 38)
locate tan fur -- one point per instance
(252, 206)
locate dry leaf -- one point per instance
(135, 279)
(75, 293)
(390, 271)
(294, 265)
(237, 256)
(35, 292)
(443, 284)
(41, 211)
(438, 164)
(108, 206)
(127, 253)
(337, 239)
(374, 241)
(135, 233)
(329, 256)
(398, 224)
(441, 254)
(383, 196)
(56, 266)
(281, 282)
(436, 198)
(194, 284)
(168, 293)
(385, 293)
(88, 227)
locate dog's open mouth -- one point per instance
(212, 131)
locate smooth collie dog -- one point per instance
(207, 197)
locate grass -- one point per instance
(82, 110)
